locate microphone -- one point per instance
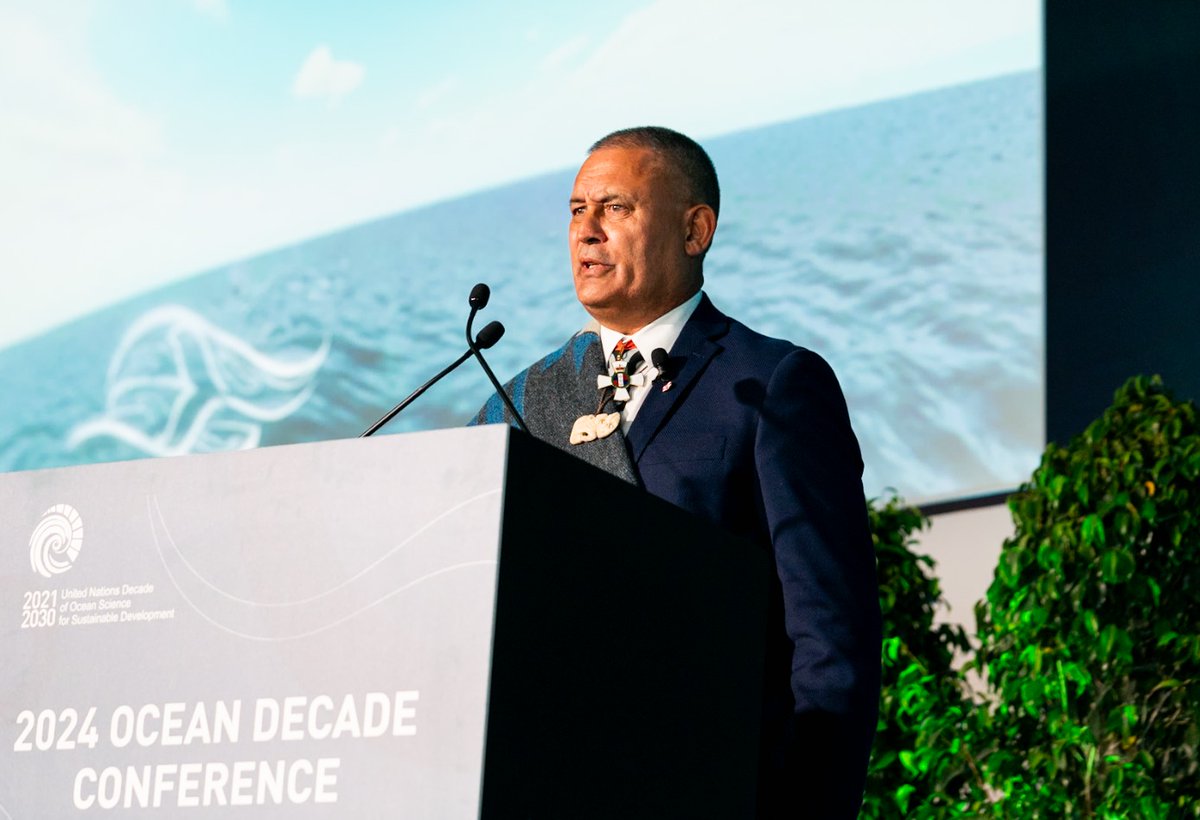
(492, 332)
(479, 297)
(487, 337)
(478, 301)
(661, 362)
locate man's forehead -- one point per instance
(598, 189)
(621, 171)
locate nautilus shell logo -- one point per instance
(56, 540)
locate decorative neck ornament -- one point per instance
(626, 359)
(623, 371)
(594, 426)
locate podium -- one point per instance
(455, 624)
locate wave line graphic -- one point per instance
(156, 512)
(179, 384)
(276, 623)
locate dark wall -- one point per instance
(1123, 202)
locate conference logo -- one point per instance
(56, 540)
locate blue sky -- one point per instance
(143, 140)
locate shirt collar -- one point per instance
(662, 332)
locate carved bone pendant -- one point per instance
(592, 427)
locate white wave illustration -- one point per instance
(179, 384)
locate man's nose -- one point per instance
(588, 230)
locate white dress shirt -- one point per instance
(662, 332)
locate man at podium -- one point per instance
(748, 432)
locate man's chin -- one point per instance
(594, 298)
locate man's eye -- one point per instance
(616, 207)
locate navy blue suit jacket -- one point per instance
(754, 435)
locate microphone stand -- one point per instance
(413, 396)
(487, 337)
(478, 300)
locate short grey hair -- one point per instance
(683, 154)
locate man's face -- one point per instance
(629, 239)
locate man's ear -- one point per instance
(701, 224)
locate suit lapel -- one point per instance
(690, 355)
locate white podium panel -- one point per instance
(299, 631)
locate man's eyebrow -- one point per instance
(607, 197)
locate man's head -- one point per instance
(643, 213)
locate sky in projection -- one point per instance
(143, 142)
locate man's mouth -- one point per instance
(592, 264)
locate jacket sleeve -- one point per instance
(810, 469)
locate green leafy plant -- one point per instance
(914, 761)
(1090, 633)
(1089, 639)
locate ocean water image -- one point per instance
(902, 240)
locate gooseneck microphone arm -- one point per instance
(478, 301)
(490, 334)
